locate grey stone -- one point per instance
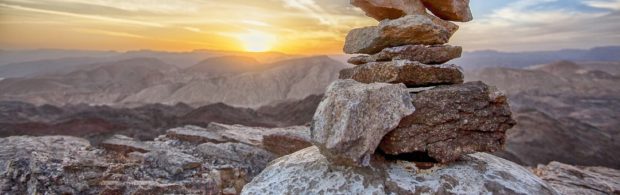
(353, 117)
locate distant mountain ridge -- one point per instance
(235, 80)
(144, 122)
(490, 58)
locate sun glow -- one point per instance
(257, 41)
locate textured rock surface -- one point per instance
(309, 172)
(437, 54)
(569, 179)
(124, 144)
(412, 74)
(408, 30)
(166, 165)
(353, 117)
(285, 143)
(390, 9)
(452, 120)
(454, 10)
(195, 134)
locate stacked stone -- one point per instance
(401, 97)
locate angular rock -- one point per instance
(353, 117)
(569, 179)
(408, 30)
(285, 143)
(390, 9)
(173, 163)
(451, 121)
(437, 54)
(236, 154)
(454, 10)
(412, 74)
(124, 144)
(195, 134)
(68, 165)
(309, 172)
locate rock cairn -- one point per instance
(401, 121)
(401, 97)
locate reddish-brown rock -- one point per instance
(412, 74)
(453, 10)
(285, 143)
(408, 30)
(389, 9)
(450, 121)
(437, 54)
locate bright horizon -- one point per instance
(287, 26)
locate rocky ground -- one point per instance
(172, 164)
(219, 159)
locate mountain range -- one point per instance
(234, 80)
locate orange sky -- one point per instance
(289, 26)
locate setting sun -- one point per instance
(256, 41)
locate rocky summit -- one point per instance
(309, 172)
(431, 125)
(180, 162)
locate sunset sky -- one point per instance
(290, 26)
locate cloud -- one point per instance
(312, 8)
(84, 16)
(604, 4)
(539, 25)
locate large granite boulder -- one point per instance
(309, 172)
(353, 117)
(569, 179)
(412, 74)
(408, 30)
(436, 54)
(450, 121)
(454, 10)
(390, 9)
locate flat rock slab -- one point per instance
(389, 9)
(196, 134)
(453, 10)
(437, 54)
(124, 144)
(353, 117)
(568, 179)
(285, 143)
(408, 30)
(412, 74)
(253, 159)
(309, 172)
(451, 121)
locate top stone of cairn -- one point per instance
(453, 10)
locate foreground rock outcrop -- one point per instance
(170, 164)
(309, 172)
(569, 179)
